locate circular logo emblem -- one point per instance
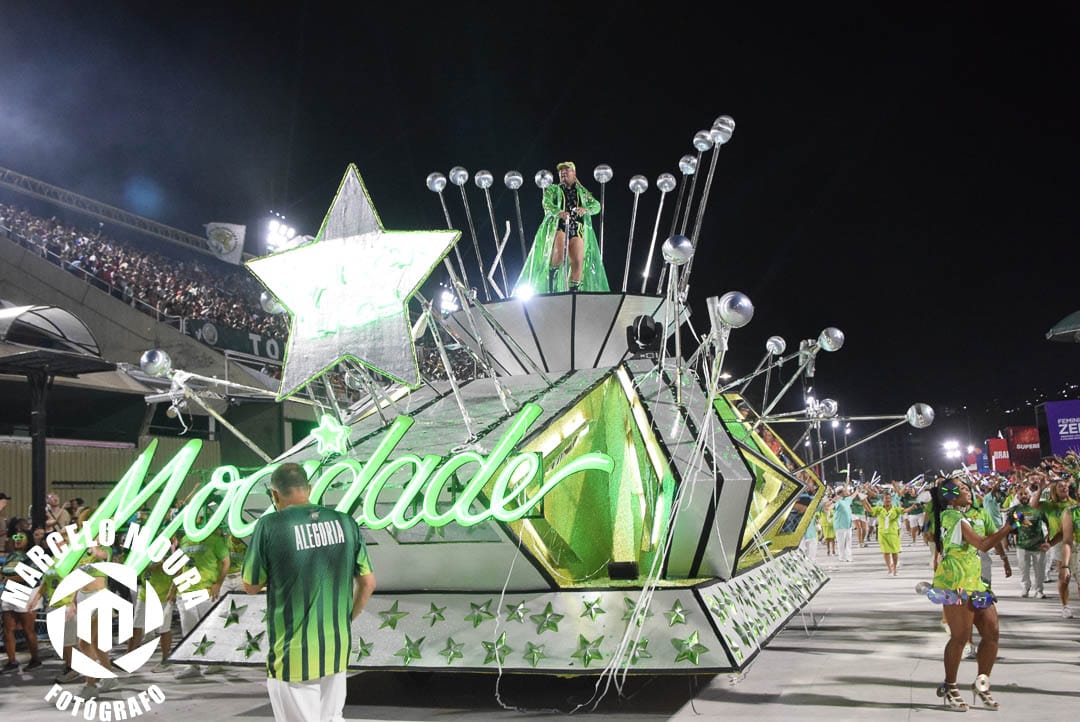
(209, 334)
(95, 611)
(222, 240)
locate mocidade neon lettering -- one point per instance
(517, 479)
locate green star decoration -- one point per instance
(593, 608)
(452, 650)
(676, 615)
(363, 648)
(436, 614)
(203, 647)
(496, 651)
(639, 650)
(232, 616)
(479, 613)
(347, 292)
(689, 649)
(517, 612)
(331, 436)
(392, 616)
(251, 643)
(628, 611)
(588, 651)
(546, 620)
(534, 653)
(410, 651)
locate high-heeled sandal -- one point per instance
(951, 697)
(980, 690)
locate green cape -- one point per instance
(535, 272)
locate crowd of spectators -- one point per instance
(150, 281)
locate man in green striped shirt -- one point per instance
(314, 566)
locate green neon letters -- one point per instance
(518, 487)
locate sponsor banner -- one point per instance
(998, 452)
(1024, 449)
(1063, 426)
(230, 339)
(226, 240)
(982, 461)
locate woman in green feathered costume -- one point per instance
(543, 272)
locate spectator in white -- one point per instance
(56, 517)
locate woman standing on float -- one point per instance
(566, 225)
(959, 587)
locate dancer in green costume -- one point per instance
(965, 598)
(567, 207)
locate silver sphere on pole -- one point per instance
(436, 182)
(828, 408)
(831, 339)
(459, 176)
(722, 128)
(920, 415)
(513, 180)
(736, 309)
(677, 250)
(666, 182)
(484, 179)
(639, 184)
(603, 173)
(776, 345)
(703, 141)
(688, 165)
(543, 179)
(155, 362)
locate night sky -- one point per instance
(908, 177)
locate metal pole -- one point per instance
(437, 335)
(690, 198)
(495, 235)
(39, 392)
(701, 210)
(476, 244)
(652, 243)
(874, 435)
(221, 420)
(630, 242)
(450, 226)
(521, 228)
(603, 206)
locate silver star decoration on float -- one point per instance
(232, 616)
(547, 619)
(410, 651)
(496, 651)
(516, 612)
(677, 614)
(436, 614)
(588, 651)
(203, 647)
(534, 653)
(689, 649)
(479, 613)
(251, 643)
(362, 648)
(391, 616)
(593, 608)
(452, 650)
(348, 290)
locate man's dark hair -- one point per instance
(288, 477)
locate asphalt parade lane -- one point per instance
(868, 648)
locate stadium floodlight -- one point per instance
(280, 235)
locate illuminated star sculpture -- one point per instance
(348, 290)
(331, 436)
